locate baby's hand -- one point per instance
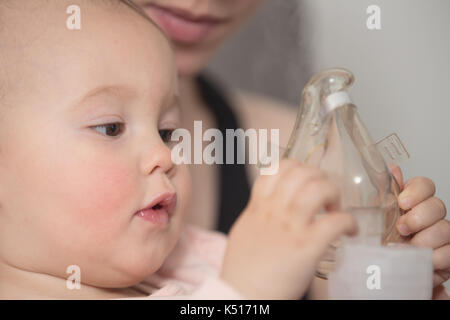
(275, 245)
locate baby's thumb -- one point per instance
(331, 227)
(397, 173)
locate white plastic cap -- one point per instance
(335, 100)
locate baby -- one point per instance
(87, 181)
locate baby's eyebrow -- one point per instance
(122, 93)
(119, 91)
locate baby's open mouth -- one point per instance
(160, 210)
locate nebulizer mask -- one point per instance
(330, 134)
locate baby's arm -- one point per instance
(276, 244)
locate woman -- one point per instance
(197, 28)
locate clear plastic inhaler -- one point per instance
(330, 134)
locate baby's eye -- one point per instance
(166, 135)
(110, 129)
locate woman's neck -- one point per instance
(16, 283)
(193, 105)
(204, 177)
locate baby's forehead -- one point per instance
(25, 23)
(21, 14)
(114, 40)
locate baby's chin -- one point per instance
(125, 259)
(136, 266)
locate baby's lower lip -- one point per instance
(156, 216)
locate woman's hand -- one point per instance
(275, 245)
(425, 222)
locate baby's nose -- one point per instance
(157, 157)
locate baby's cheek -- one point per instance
(104, 194)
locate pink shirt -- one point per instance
(191, 271)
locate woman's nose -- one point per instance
(158, 156)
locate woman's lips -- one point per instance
(182, 26)
(160, 210)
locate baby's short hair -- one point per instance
(6, 25)
(7, 4)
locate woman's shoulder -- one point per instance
(259, 111)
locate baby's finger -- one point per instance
(441, 258)
(289, 186)
(415, 191)
(330, 228)
(315, 195)
(422, 216)
(440, 293)
(265, 185)
(433, 237)
(397, 173)
(440, 276)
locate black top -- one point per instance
(234, 186)
(234, 183)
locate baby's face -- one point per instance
(83, 147)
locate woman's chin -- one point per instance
(190, 63)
